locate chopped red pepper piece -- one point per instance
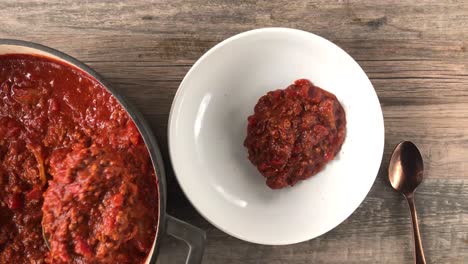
(15, 201)
(34, 194)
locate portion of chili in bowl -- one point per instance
(294, 133)
(72, 159)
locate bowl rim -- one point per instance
(181, 89)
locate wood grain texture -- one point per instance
(415, 53)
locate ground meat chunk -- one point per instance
(294, 132)
(92, 210)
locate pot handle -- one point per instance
(193, 236)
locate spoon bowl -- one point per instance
(406, 168)
(405, 173)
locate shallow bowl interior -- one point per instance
(208, 123)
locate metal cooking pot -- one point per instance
(193, 236)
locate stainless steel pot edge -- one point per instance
(193, 236)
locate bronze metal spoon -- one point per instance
(405, 173)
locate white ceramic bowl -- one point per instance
(208, 123)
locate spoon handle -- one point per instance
(418, 248)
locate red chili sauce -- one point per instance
(294, 132)
(71, 158)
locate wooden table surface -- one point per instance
(415, 53)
